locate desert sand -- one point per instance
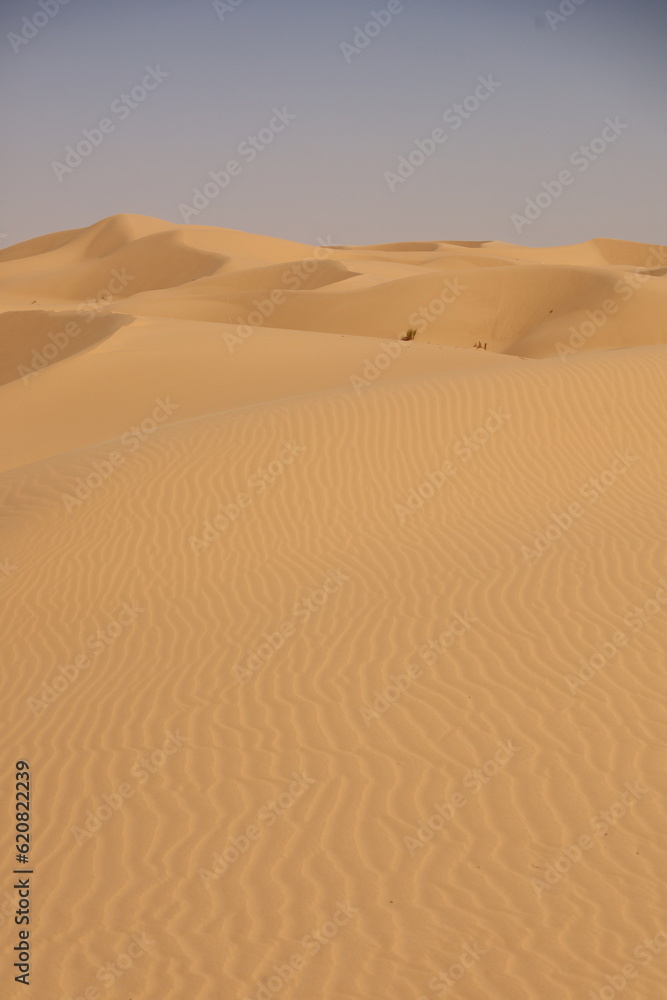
(337, 659)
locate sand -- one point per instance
(337, 659)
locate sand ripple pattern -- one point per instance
(334, 505)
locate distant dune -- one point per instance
(371, 632)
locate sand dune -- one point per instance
(328, 648)
(527, 302)
(25, 345)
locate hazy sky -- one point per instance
(220, 72)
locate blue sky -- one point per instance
(315, 102)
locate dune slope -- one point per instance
(338, 662)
